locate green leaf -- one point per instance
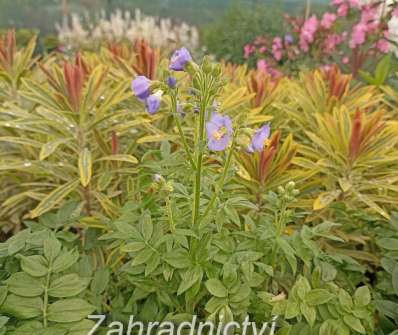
(142, 257)
(3, 294)
(52, 248)
(65, 260)
(20, 283)
(3, 321)
(22, 307)
(292, 310)
(17, 242)
(133, 247)
(362, 296)
(309, 313)
(178, 259)
(81, 328)
(382, 70)
(189, 278)
(152, 264)
(36, 265)
(54, 198)
(121, 158)
(388, 243)
(345, 300)
(216, 288)
(242, 294)
(395, 279)
(55, 330)
(100, 280)
(333, 327)
(85, 167)
(354, 324)
(49, 148)
(387, 308)
(146, 226)
(318, 297)
(303, 287)
(289, 253)
(29, 327)
(69, 310)
(67, 286)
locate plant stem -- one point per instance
(170, 214)
(181, 133)
(45, 302)
(199, 159)
(220, 184)
(280, 222)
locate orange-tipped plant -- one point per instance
(356, 159)
(14, 63)
(262, 85)
(140, 58)
(267, 169)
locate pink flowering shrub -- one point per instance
(352, 33)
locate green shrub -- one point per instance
(238, 26)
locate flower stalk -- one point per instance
(199, 158)
(179, 127)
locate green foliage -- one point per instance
(43, 291)
(112, 210)
(238, 26)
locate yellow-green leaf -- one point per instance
(121, 158)
(85, 167)
(156, 138)
(49, 148)
(53, 198)
(324, 199)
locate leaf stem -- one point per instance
(45, 300)
(199, 158)
(181, 133)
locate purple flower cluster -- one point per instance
(141, 87)
(218, 128)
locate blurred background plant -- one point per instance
(355, 34)
(79, 32)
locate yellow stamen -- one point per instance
(218, 134)
(267, 142)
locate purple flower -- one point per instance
(152, 103)
(219, 131)
(171, 82)
(141, 87)
(289, 39)
(179, 58)
(258, 140)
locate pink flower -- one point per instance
(354, 3)
(395, 12)
(345, 60)
(307, 33)
(383, 46)
(248, 49)
(369, 16)
(277, 48)
(262, 65)
(262, 50)
(327, 20)
(326, 67)
(331, 41)
(342, 10)
(358, 35)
